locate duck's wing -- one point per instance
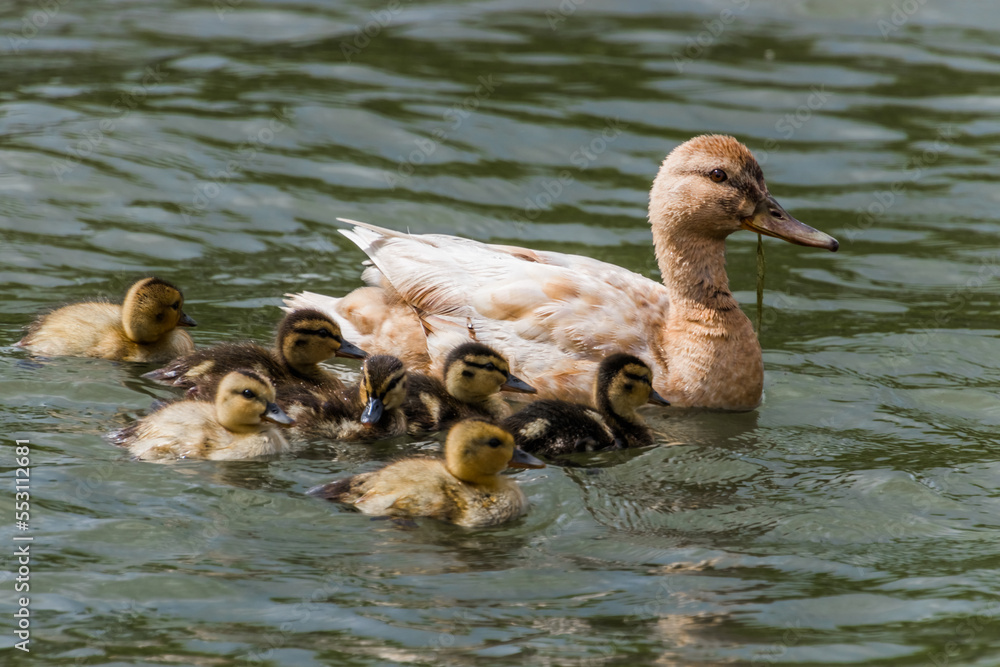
(552, 315)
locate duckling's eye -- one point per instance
(176, 304)
(490, 367)
(248, 393)
(718, 175)
(494, 442)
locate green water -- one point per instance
(853, 518)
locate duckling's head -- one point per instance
(711, 186)
(383, 386)
(624, 383)
(307, 337)
(476, 451)
(244, 399)
(473, 372)
(152, 308)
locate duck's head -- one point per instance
(624, 383)
(307, 337)
(153, 308)
(383, 386)
(473, 372)
(712, 186)
(244, 399)
(476, 451)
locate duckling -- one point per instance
(553, 427)
(370, 410)
(304, 339)
(466, 488)
(231, 427)
(474, 375)
(143, 328)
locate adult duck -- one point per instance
(554, 316)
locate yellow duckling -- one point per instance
(304, 339)
(370, 410)
(466, 488)
(554, 316)
(474, 374)
(552, 427)
(143, 328)
(235, 426)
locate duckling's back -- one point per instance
(552, 427)
(424, 487)
(190, 429)
(79, 329)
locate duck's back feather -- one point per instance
(552, 315)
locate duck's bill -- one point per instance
(275, 414)
(186, 320)
(373, 411)
(517, 385)
(523, 459)
(771, 219)
(656, 399)
(351, 351)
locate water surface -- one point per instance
(852, 519)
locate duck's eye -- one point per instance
(175, 305)
(494, 442)
(490, 367)
(248, 393)
(717, 175)
(629, 387)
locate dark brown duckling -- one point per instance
(552, 427)
(370, 410)
(473, 377)
(304, 339)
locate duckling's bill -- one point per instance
(275, 414)
(186, 320)
(373, 411)
(523, 459)
(517, 385)
(656, 399)
(771, 219)
(351, 351)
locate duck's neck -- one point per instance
(707, 347)
(694, 272)
(625, 423)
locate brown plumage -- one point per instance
(369, 410)
(554, 316)
(552, 427)
(234, 426)
(143, 328)
(304, 339)
(474, 374)
(465, 488)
